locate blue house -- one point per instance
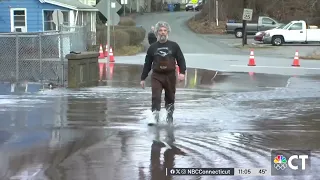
(36, 15)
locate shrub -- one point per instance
(137, 35)
(127, 21)
(128, 50)
(122, 35)
(119, 39)
(122, 27)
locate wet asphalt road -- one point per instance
(222, 119)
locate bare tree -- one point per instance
(283, 10)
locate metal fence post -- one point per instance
(17, 57)
(40, 58)
(61, 54)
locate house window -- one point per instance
(18, 19)
(86, 18)
(49, 25)
(65, 18)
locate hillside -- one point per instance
(281, 10)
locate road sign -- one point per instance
(117, 6)
(102, 6)
(114, 20)
(57, 17)
(124, 1)
(113, 5)
(194, 1)
(247, 14)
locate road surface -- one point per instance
(217, 44)
(222, 119)
(189, 41)
(216, 52)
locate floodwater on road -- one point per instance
(222, 120)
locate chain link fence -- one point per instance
(40, 57)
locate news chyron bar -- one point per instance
(200, 171)
(219, 171)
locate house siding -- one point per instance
(34, 14)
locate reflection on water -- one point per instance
(87, 112)
(223, 119)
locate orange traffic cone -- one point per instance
(111, 55)
(111, 67)
(251, 59)
(296, 59)
(106, 51)
(101, 68)
(251, 74)
(101, 55)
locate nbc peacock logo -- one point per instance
(280, 162)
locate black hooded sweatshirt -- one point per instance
(162, 57)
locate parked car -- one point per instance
(193, 7)
(259, 35)
(264, 23)
(293, 32)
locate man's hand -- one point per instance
(142, 83)
(181, 77)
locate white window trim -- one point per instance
(59, 4)
(52, 10)
(91, 21)
(79, 15)
(83, 15)
(12, 17)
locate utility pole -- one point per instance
(217, 12)
(148, 6)
(108, 28)
(244, 25)
(209, 11)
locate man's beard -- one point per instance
(162, 38)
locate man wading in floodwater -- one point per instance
(161, 57)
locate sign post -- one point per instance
(246, 16)
(124, 2)
(194, 3)
(217, 13)
(109, 8)
(57, 18)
